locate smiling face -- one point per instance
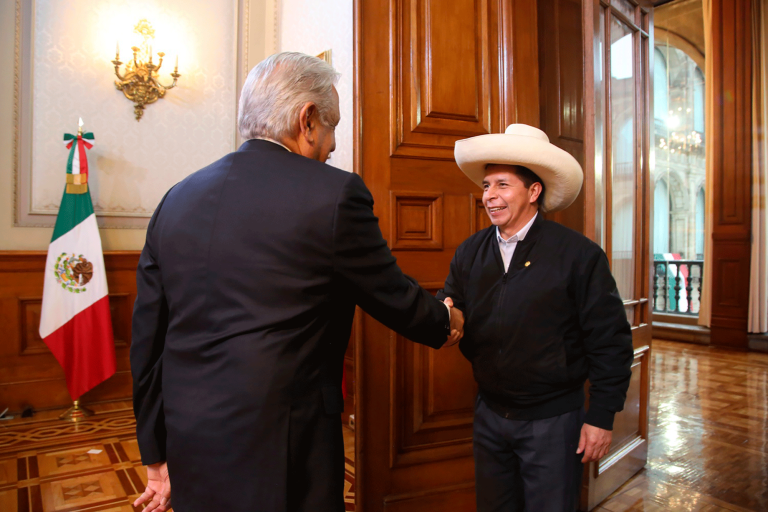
(509, 204)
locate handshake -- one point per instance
(457, 324)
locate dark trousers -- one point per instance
(527, 466)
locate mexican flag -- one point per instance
(75, 321)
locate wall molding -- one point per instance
(130, 211)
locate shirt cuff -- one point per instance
(448, 325)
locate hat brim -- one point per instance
(560, 172)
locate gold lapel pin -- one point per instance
(527, 263)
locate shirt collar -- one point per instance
(274, 142)
(520, 235)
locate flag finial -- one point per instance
(80, 126)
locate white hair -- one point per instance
(276, 90)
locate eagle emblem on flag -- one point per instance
(73, 272)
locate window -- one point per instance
(678, 231)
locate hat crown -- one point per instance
(526, 131)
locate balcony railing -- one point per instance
(677, 286)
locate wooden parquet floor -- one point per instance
(708, 446)
(708, 434)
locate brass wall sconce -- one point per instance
(140, 83)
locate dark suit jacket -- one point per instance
(247, 286)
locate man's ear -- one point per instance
(307, 120)
(534, 192)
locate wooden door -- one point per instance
(618, 48)
(428, 72)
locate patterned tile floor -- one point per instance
(47, 465)
(708, 446)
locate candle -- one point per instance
(177, 62)
(117, 50)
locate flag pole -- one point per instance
(76, 413)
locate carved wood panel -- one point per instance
(437, 404)
(29, 316)
(455, 70)
(478, 216)
(442, 76)
(734, 78)
(31, 343)
(417, 220)
(29, 374)
(731, 167)
(561, 68)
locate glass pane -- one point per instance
(600, 135)
(630, 310)
(623, 163)
(679, 187)
(625, 7)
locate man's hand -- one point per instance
(157, 495)
(594, 442)
(457, 324)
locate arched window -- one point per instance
(678, 150)
(660, 89)
(698, 100)
(661, 217)
(700, 224)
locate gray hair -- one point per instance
(276, 90)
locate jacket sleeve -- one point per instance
(149, 326)
(608, 342)
(454, 284)
(364, 262)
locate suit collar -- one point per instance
(262, 145)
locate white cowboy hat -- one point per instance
(529, 147)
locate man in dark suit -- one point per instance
(247, 287)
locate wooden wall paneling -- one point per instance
(417, 220)
(520, 63)
(478, 216)
(429, 117)
(444, 71)
(561, 63)
(732, 157)
(29, 374)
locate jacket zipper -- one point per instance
(499, 322)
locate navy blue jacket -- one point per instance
(535, 333)
(247, 287)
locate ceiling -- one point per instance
(684, 18)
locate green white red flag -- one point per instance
(75, 322)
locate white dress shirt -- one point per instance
(507, 247)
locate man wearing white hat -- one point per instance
(542, 315)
